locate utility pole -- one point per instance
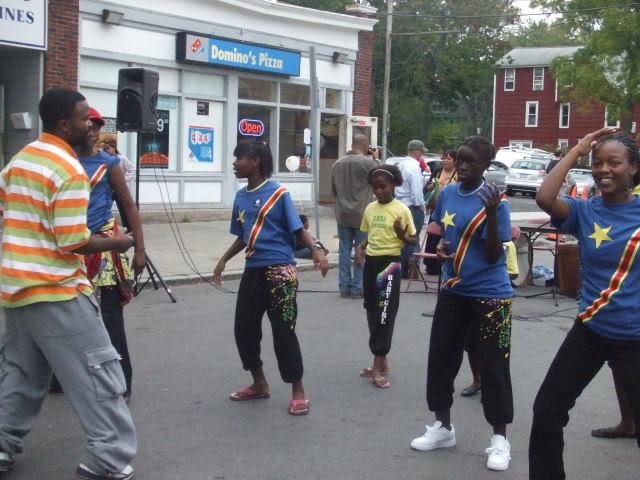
(387, 79)
(314, 124)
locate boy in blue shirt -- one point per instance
(267, 226)
(477, 294)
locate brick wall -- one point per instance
(362, 94)
(61, 58)
(510, 113)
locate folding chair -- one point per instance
(432, 229)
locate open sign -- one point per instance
(249, 127)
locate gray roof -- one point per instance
(535, 56)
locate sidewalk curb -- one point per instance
(193, 278)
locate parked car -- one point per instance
(509, 155)
(496, 173)
(582, 179)
(526, 176)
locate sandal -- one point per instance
(366, 372)
(380, 381)
(298, 407)
(247, 393)
(469, 391)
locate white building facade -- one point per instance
(229, 70)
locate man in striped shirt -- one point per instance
(52, 319)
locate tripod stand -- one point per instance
(150, 267)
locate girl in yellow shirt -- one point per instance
(389, 225)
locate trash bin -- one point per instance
(568, 269)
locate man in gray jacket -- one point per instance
(351, 189)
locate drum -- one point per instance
(568, 274)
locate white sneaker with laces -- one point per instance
(499, 453)
(435, 437)
(85, 473)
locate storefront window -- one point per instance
(203, 84)
(292, 125)
(329, 136)
(254, 89)
(294, 94)
(333, 99)
(254, 123)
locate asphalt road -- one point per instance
(186, 364)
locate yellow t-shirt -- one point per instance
(377, 222)
(511, 258)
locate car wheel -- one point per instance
(532, 194)
(510, 193)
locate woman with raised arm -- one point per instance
(607, 327)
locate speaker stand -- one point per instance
(150, 267)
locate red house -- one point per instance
(527, 110)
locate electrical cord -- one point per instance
(190, 263)
(177, 235)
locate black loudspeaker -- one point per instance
(137, 100)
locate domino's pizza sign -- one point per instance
(227, 53)
(201, 143)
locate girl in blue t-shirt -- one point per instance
(607, 327)
(476, 295)
(267, 225)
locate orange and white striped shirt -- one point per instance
(44, 193)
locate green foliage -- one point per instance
(451, 70)
(445, 135)
(328, 5)
(542, 34)
(607, 68)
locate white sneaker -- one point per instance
(435, 437)
(499, 453)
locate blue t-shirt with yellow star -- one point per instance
(475, 276)
(610, 274)
(276, 241)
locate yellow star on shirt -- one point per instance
(240, 218)
(447, 220)
(600, 234)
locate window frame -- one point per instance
(563, 143)
(606, 119)
(540, 80)
(513, 80)
(562, 105)
(526, 113)
(519, 143)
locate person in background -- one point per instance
(111, 148)
(439, 179)
(302, 251)
(109, 272)
(410, 194)
(607, 327)
(53, 322)
(353, 193)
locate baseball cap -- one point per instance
(95, 116)
(416, 145)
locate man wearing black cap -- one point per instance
(410, 193)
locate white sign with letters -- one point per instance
(23, 23)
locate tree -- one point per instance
(542, 34)
(607, 68)
(443, 70)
